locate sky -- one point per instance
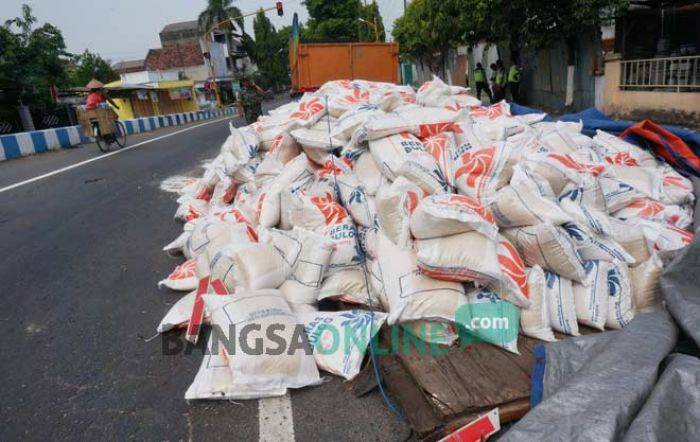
(126, 29)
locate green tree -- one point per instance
(90, 66)
(32, 58)
(428, 29)
(370, 17)
(269, 52)
(332, 20)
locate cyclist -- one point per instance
(97, 96)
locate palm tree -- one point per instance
(216, 12)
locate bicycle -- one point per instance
(102, 125)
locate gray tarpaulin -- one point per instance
(680, 282)
(628, 384)
(673, 405)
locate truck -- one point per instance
(311, 65)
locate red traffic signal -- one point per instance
(280, 11)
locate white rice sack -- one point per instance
(592, 246)
(315, 139)
(340, 103)
(440, 146)
(215, 381)
(409, 294)
(421, 168)
(512, 284)
(299, 296)
(591, 300)
(314, 211)
(431, 93)
(466, 132)
(560, 300)
(484, 304)
(242, 144)
(191, 209)
(549, 247)
(479, 172)
(206, 230)
(340, 339)
(307, 112)
(355, 116)
(390, 152)
(649, 209)
(283, 148)
(468, 256)
(560, 139)
(587, 192)
(675, 188)
(646, 180)
(352, 193)
(558, 169)
(177, 245)
(534, 320)
(620, 303)
(259, 267)
(490, 112)
(448, 214)
(274, 323)
(646, 290)
(294, 173)
(314, 258)
(525, 202)
(499, 129)
(179, 314)
(432, 332)
(382, 126)
(596, 221)
(183, 278)
(629, 235)
(665, 238)
(395, 204)
(268, 128)
(267, 170)
(617, 193)
(429, 120)
(326, 217)
(368, 173)
(350, 286)
(347, 252)
(615, 150)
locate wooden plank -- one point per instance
(509, 412)
(480, 375)
(407, 396)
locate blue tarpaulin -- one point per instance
(594, 119)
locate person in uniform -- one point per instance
(251, 100)
(514, 82)
(481, 83)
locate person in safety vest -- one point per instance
(514, 82)
(499, 92)
(480, 82)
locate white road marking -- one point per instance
(107, 155)
(275, 420)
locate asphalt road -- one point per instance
(81, 256)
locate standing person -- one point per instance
(494, 86)
(514, 82)
(251, 100)
(480, 82)
(500, 80)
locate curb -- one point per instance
(40, 141)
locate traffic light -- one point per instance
(280, 11)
